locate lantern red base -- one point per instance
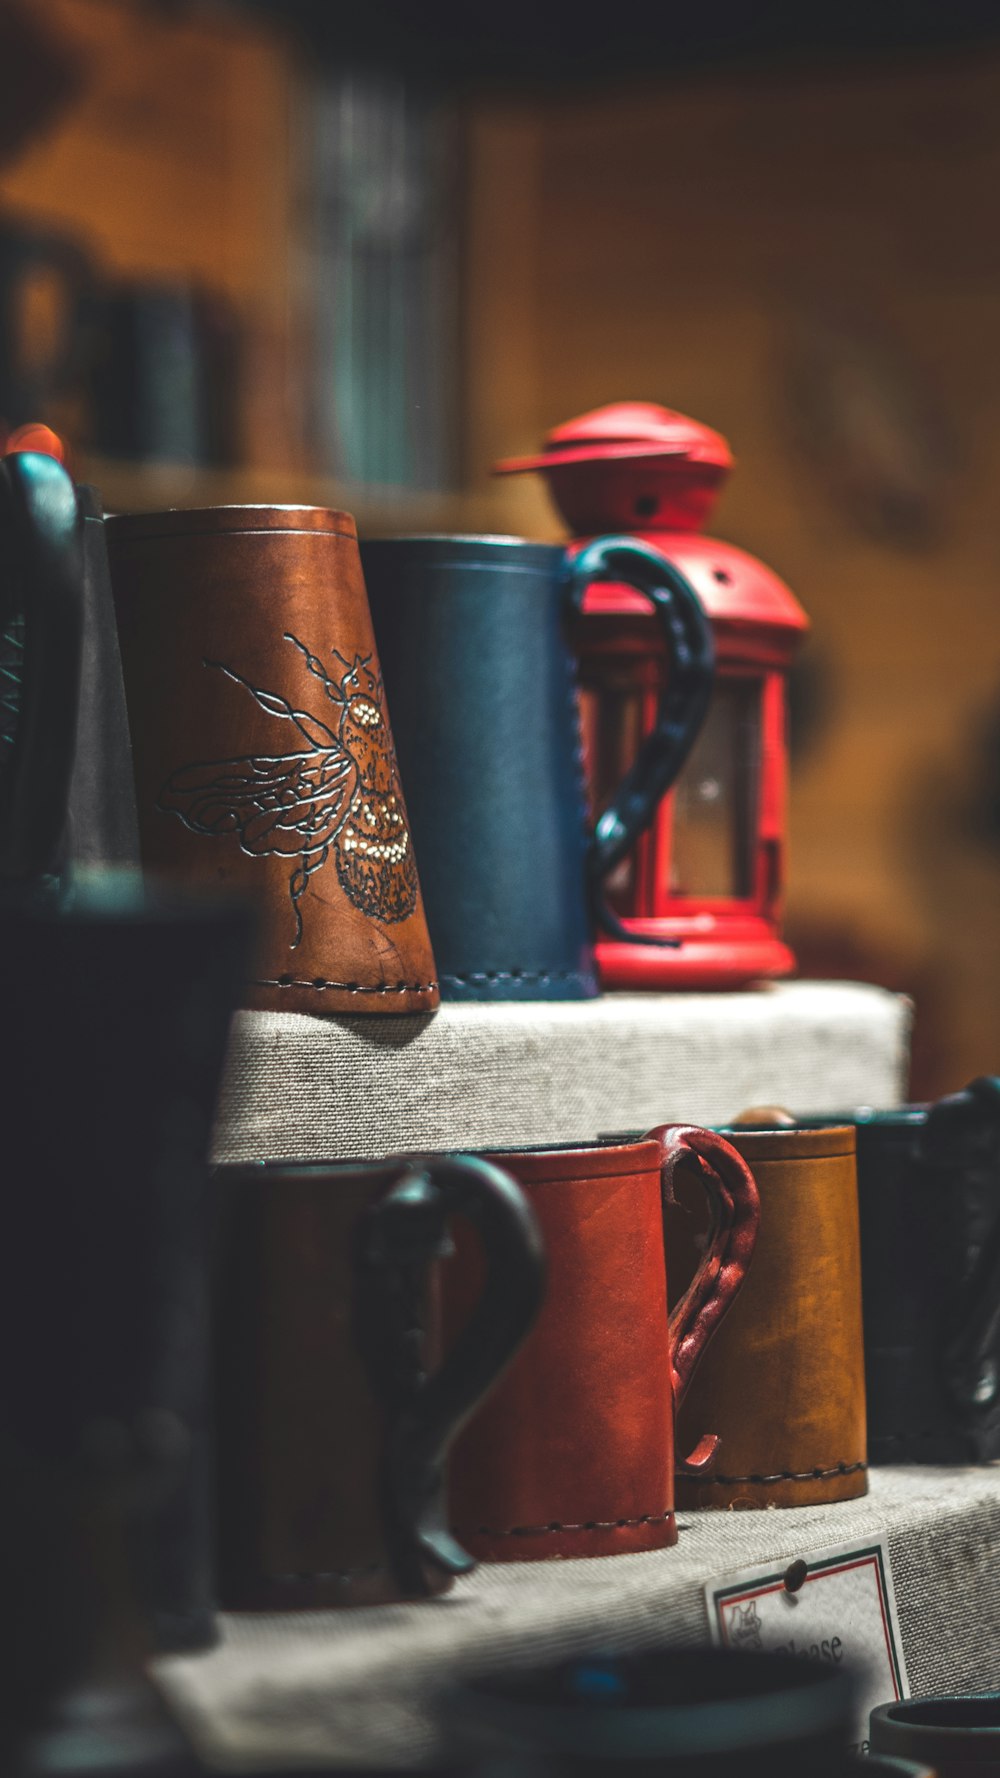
(720, 959)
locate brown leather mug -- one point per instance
(263, 755)
(573, 1455)
(334, 1410)
(801, 1439)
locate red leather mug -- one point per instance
(573, 1454)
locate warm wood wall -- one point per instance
(660, 244)
(668, 240)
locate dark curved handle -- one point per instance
(684, 697)
(963, 1130)
(735, 1205)
(401, 1235)
(41, 638)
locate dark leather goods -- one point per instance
(929, 1197)
(956, 1737)
(117, 1013)
(675, 1712)
(40, 367)
(473, 633)
(67, 799)
(783, 1383)
(334, 1407)
(102, 824)
(573, 1454)
(263, 754)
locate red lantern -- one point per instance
(710, 869)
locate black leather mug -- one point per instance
(67, 797)
(162, 372)
(693, 1712)
(473, 637)
(957, 1737)
(121, 1008)
(335, 1408)
(929, 1203)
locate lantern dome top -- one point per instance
(622, 430)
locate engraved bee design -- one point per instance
(340, 792)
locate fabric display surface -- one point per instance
(263, 755)
(574, 1453)
(782, 1383)
(360, 1686)
(551, 1072)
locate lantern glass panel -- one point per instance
(715, 799)
(612, 724)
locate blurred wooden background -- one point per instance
(807, 260)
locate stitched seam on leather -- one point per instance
(786, 1475)
(546, 1530)
(318, 981)
(520, 975)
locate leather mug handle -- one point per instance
(400, 1237)
(683, 702)
(735, 1205)
(41, 581)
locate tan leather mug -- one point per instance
(263, 754)
(800, 1440)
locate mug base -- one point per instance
(846, 1481)
(375, 1585)
(325, 999)
(521, 984)
(555, 1542)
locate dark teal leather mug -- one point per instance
(661, 1713)
(121, 1006)
(474, 637)
(929, 1206)
(67, 798)
(956, 1737)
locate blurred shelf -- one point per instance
(361, 1687)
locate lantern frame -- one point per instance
(606, 471)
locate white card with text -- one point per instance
(835, 1606)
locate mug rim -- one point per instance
(558, 1160)
(907, 1735)
(537, 1163)
(766, 1142)
(465, 548)
(229, 518)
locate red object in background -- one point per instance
(34, 437)
(710, 869)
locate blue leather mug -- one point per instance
(474, 637)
